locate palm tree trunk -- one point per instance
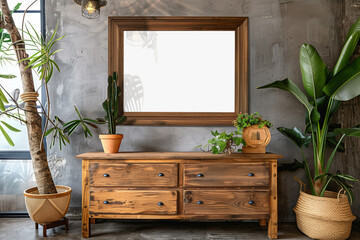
(42, 172)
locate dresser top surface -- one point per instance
(175, 155)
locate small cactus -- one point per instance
(113, 116)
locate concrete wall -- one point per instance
(277, 29)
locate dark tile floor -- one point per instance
(24, 229)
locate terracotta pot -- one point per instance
(46, 208)
(111, 142)
(256, 139)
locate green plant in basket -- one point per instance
(325, 90)
(245, 120)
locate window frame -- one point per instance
(25, 154)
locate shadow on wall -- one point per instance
(134, 96)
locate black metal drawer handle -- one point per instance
(251, 202)
(106, 202)
(200, 175)
(251, 174)
(200, 202)
(160, 203)
(106, 175)
(161, 174)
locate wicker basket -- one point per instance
(47, 208)
(327, 217)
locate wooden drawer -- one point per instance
(226, 174)
(226, 202)
(133, 202)
(133, 174)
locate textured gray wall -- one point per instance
(277, 28)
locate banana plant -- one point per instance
(325, 90)
(113, 116)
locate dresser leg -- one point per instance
(262, 222)
(85, 199)
(273, 221)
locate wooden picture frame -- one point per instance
(117, 26)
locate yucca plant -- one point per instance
(325, 91)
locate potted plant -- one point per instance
(323, 214)
(255, 132)
(111, 142)
(223, 142)
(46, 202)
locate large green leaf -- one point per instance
(296, 136)
(346, 84)
(346, 52)
(350, 132)
(288, 85)
(354, 28)
(313, 71)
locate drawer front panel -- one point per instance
(226, 175)
(133, 202)
(225, 202)
(133, 175)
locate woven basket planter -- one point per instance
(47, 208)
(327, 217)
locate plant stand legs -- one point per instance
(46, 226)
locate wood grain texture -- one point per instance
(273, 221)
(117, 25)
(85, 199)
(224, 194)
(133, 174)
(226, 202)
(133, 202)
(226, 175)
(178, 155)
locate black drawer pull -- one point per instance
(200, 175)
(200, 202)
(160, 203)
(251, 174)
(251, 202)
(106, 202)
(106, 175)
(161, 174)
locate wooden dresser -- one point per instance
(179, 185)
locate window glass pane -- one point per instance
(25, 4)
(20, 139)
(15, 177)
(12, 68)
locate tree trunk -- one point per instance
(42, 172)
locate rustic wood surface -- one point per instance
(273, 221)
(223, 192)
(133, 174)
(178, 155)
(85, 199)
(226, 175)
(226, 202)
(133, 202)
(117, 26)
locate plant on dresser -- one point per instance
(255, 132)
(112, 141)
(325, 91)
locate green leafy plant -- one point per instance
(113, 116)
(325, 91)
(245, 120)
(62, 131)
(223, 142)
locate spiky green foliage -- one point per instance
(113, 116)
